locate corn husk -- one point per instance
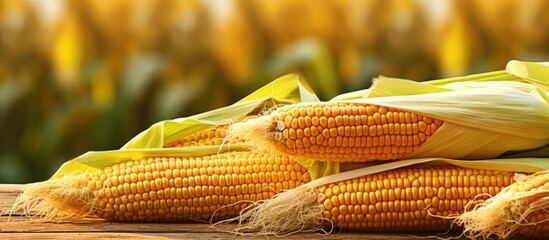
(485, 116)
(284, 90)
(534, 73)
(298, 210)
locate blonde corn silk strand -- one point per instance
(65, 198)
(293, 211)
(256, 132)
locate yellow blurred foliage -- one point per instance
(68, 53)
(454, 50)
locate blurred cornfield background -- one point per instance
(80, 75)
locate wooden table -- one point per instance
(21, 227)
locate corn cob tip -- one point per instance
(519, 208)
(59, 199)
(289, 212)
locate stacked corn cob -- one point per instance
(173, 172)
(408, 199)
(350, 132)
(168, 189)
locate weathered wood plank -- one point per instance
(8, 194)
(20, 226)
(154, 235)
(23, 224)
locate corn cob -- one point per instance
(348, 131)
(167, 189)
(215, 135)
(211, 136)
(406, 199)
(521, 208)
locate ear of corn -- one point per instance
(469, 122)
(409, 199)
(384, 197)
(166, 188)
(351, 131)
